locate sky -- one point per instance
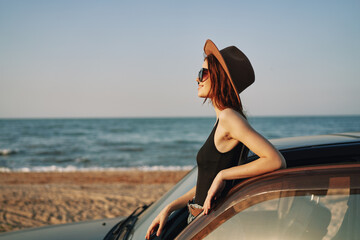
(74, 58)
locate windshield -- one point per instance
(183, 186)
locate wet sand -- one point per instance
(38, 199)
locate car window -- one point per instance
(296, 217)
(183, 186)
(314, 203)
(318, 202)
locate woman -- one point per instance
(223, 76)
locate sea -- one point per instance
(147, 144)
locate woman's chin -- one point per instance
(201, 95)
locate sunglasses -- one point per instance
(203, 74)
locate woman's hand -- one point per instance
(160, 221)
(214, 191)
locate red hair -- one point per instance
(221, 94)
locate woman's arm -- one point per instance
(161, 219)
(181, 201)
(238, 128)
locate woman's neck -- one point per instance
(217, 111)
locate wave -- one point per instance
(71, 168)
(6, 152)
(131, 149)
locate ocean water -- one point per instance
(141, 143)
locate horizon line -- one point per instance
(162, 117)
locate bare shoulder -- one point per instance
(230, 119)
(230, 115)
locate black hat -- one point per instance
(236, 65)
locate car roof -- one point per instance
(316, 140)
(317, 149)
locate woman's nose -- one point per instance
(197, 80)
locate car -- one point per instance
(316, 197)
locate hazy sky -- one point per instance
(140, 58)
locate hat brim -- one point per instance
(210, 48)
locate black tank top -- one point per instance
(210, 161)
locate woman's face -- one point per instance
(204, 86)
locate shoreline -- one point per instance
(130, 176)
(34, 199)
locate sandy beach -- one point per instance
(45, 198)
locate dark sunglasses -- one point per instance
(203, 74)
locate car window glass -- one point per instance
(183, 186)
(333, 216)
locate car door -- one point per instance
(320, 202)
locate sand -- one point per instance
(37, 199)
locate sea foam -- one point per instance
(5, 152)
